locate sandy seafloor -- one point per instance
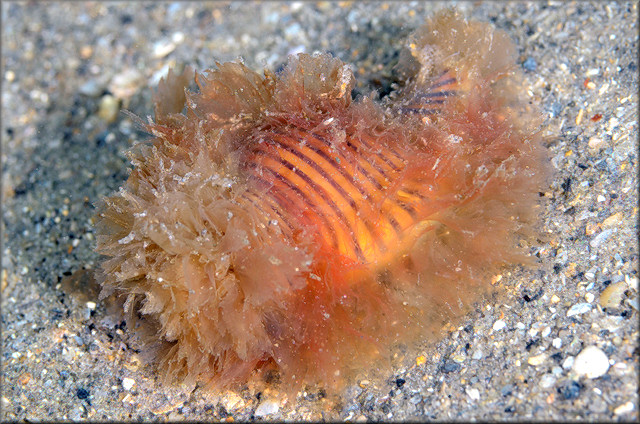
(65, 358)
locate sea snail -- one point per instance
(273, 222)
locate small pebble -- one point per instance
(545, 333)
(459, 358)
(128, 383)
(632, 282)
(570, 390)
(267, 407)
(499, 325)
(530, 64)
(506, 390)
(163, 48)
(579, 309)
(473, 393)
(177, 37)
(24, 378)
(547, 380)
(634, 302)
(232, 401)
(567, 364)
(591, 228)
(86, 52)
(604, 235)
(557, 342)
(625, 408)
(126, 83)
(595, 143)
(109, 108)
(612, 221)
(451, 366)
(591, 362)
(292, 30)
(91, 88)
(613, 295)
(537, 360)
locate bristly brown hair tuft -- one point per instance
(274, 222)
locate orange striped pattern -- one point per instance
(355, 197)
(430, 100)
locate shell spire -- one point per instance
(279, 224)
